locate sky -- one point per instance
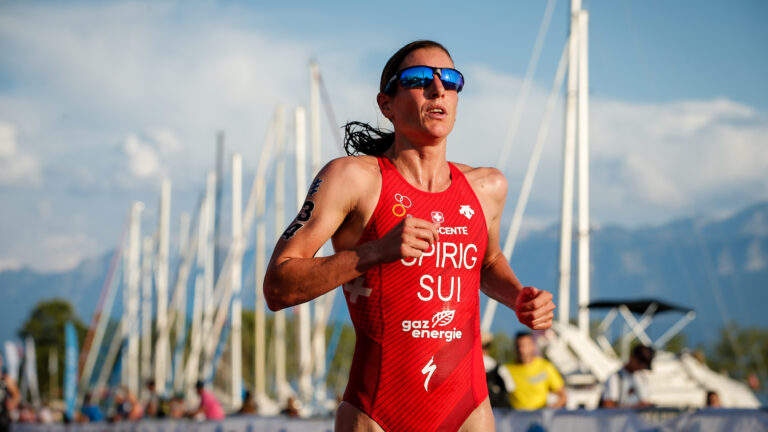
(99, 101)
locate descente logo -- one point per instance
(453, 230)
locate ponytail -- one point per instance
(363, 138)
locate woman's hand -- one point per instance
(408, 239)
(534, 308)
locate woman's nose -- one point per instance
(435, 88)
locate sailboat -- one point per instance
(675, 381)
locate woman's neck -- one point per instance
(423, 166)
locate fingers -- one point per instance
(422, 229)
(535, 308)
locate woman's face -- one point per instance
(422, 114)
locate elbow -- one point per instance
(275, 296)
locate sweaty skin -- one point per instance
(345, 200)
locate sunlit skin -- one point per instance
(344, 203)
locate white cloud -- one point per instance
(159, 96)
(9, 264)
(65, 251)
(143, 160)
(16, 168)
(167, 141)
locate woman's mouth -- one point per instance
(436, 112)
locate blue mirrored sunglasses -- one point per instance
(422, 76)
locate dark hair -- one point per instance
(644, 354)
(363, 138)
(521, 334)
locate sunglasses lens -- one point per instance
(452, 79)
(422, 76)
(416, 77)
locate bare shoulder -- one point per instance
(487, 182)
(360, 167)
(352, 176)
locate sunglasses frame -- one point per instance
(435, 71)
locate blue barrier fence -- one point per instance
(714, 420)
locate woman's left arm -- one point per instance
(534, 307)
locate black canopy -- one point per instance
(639, 306)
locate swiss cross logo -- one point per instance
(466, 211)
(437, 217)
(356, 288)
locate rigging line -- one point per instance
(116, 254)
(331, 116)
(717, 292)
(530, 175)
(526, 87)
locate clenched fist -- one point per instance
(534, 308)
(408, 239)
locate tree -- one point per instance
(45, 325)
(741, 351)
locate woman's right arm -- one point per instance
(294, 275)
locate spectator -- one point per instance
(625, 389)
(90, 412)
(127, 407)
(496, 376)
(176, 407)
(155, 406)
(249, 407)
(209, 405)
(9, 397)
(291, 407)
(713, 400)
(534, 378)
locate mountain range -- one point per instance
(718, 267)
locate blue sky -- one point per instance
(100, 101)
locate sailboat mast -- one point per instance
(281, 382)
(566, 217)
(162, 346)
(583, 173)
(236, 280)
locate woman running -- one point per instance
(416, 238)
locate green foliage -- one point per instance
(46, 325)
(741, 351)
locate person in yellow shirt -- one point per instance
(534, 378)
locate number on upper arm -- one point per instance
(305, 213)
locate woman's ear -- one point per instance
(385, 104)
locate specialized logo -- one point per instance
(424, 329)
(437, 217)
(356, 289)
(403, 204)
(428, 370)
(466, 211)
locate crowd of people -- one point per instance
(122, 405)
(530, 382)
